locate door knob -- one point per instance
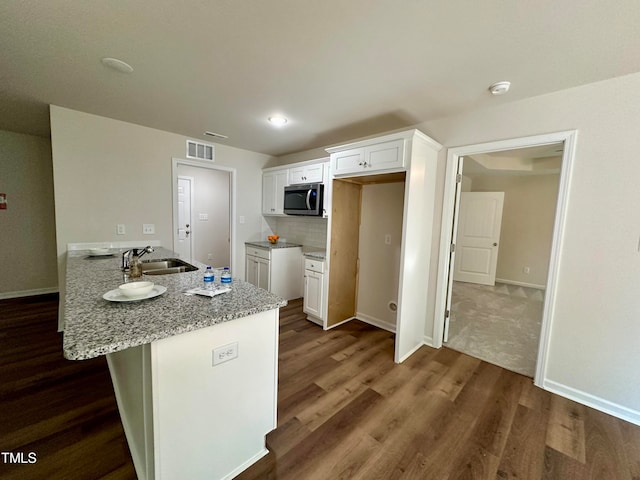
(495, 244)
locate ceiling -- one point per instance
(538, 160)
(337, 69)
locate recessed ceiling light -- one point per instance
(118, 65)
(278, 120)
(500, 88)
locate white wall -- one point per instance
(593, 352)
(108, 172)
(27, 226)
(379, 274)
(527, 224)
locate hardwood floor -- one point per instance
(345, 411)
(63, 411)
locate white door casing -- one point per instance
(568, 140)
(183, 243)
(478, 238)
(205, 165)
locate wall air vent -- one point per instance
(200, 151)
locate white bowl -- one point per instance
(136, 289)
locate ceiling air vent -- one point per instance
(199, 150)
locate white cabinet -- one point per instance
(273, 183)
(257, 272)
(381, 157)
(276, 270)
(314, 298)
(306, 174)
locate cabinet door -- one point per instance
(251, 270)
(313, 289)
(306, 174)
(384, 156)
(349, 161)
(273, 184)
(263, 275)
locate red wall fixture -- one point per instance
(3, 201)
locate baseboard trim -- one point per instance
(521, 284)
(592, 401)
(376, 322)
(28, 293)
(428, 341)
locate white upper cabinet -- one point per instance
(305, 174)
(273, 183)
(376, 158)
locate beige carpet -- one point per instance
(499, 324)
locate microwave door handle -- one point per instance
(308, 199)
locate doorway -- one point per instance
(564, 141)
(203, 205)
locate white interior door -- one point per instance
(452, 251)
(183, 233)
(478, 237)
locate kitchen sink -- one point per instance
(166, 266)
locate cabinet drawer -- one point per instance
(314, 265)
(259, 252)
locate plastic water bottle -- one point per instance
(225, 276)
(208, 278)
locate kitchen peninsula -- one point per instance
(185, 413)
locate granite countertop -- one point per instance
(270, 246)
(319, 255)
(95, 326)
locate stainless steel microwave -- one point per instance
(303, 199)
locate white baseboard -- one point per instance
(409, 353)
(28, 293)
(428, 341)
(592, 401)
(521, 284)
(376, 322)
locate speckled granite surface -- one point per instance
(270, 245)
(94, 326)
(315, 255)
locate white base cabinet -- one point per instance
(314, 291)
(277, 270)
(187, 418)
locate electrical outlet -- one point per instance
(148, 229)
(209, 256)
(120, 229)
(242, 220)
(387, 239)
(225, 353)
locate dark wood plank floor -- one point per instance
(65, 412)
(345, 411)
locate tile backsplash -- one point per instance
(308, 231)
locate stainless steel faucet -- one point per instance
(126, 255)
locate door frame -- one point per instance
(175, 162)
(568, 139)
